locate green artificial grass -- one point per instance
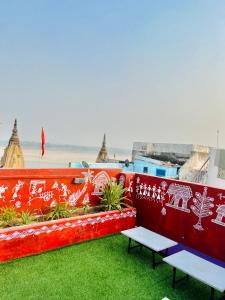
(97, 269)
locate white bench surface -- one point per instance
(198, 268)
(149, 238)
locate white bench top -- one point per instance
(198, 268)
(149, 238)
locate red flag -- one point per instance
(42, 141)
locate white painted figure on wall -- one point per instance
(65, 191)
(37, 191)
(220, 218)
(16, 189)
(201, 207)
(99, 181)
(3, 189)
(179, 196)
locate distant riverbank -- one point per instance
(59, 156)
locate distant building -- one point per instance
(216, 169)
(103, 154)
(147, 159)
(139, 165)
(190, 161)
(111, 165)
(172, 152)
(13, 155)
(155, 167)
(186, 162)
(196, 167)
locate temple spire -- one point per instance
(104, 141)
(14, 137)
(103, 154)
(13, 155)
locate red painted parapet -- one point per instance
(40, 237)
(189, 213)
(34, 189)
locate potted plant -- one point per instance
(113, 196)
(59, 227)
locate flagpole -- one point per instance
(42, 142)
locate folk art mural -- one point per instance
(31, 193)
(189, 213)
(177, 196)
(104, 218)
(35, 189)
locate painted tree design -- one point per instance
(201, 207)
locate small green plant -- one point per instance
(112, 196)
(60, 210)
(8, 216)
(85, 204)
(26, 217)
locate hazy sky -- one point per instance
(137, 70)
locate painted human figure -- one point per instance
(137, 189)
(163, 192)
(34, 189)
(154, 192)
(141, 187)
(130, 188)
(145, 189)
(149, 190)
(55, 185)
(17, 187)
(65, 190)
(3, 188)
(159, 192)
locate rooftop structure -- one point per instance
(179, 152)
(191, 160)
(216, 168)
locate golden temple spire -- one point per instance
(103, 154)
(14, 137)
(13, 155)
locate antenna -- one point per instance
(217, 139)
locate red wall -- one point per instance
(34, 189)
(40, 237)
(191, 214)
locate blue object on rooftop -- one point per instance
(141, 164)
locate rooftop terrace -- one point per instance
(191, 214)
(97, 269)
